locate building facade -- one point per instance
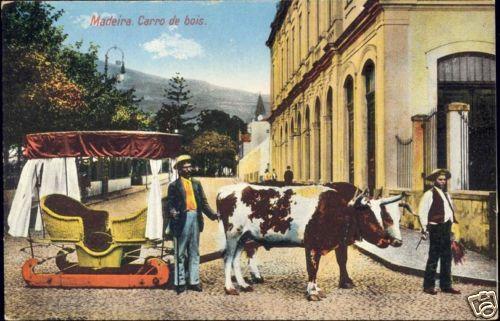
(256, 159)
(380, 92)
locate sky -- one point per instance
(223, 42)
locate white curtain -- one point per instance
(154, 221)
(54, 181)
(173, 173)
(19, 215)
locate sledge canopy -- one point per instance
(135, 144)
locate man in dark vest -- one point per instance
(186, 201)
(436, 217)
(288, 176)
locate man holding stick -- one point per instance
(436, 217)
(186, 201)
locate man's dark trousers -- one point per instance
(439, 249)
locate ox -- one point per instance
(318, 218)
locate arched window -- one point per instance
(469, 77)
(369, 80)
(307, 147)
(285, 149)
(317, 139)
(329, 136)
(349, 106)
(299, 146)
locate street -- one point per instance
(379, 293)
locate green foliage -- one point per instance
(221, 122)
(212, 151)
(172, 116)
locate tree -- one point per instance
(221, 122)
(172, 116)
(213, 151)
(48, 86)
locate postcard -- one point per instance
(274, 159)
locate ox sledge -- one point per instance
(105, 246)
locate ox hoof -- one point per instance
(247, 288)
(346, 285)
(257, 280)
(321, 294)
(231, 291)
(313, 297)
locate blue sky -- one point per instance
(228, 49)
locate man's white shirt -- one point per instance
(425, 206)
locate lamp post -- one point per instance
(120, 76)
(237, 159)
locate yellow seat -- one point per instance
(130, 228)
(100, 241)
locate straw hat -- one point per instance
(182, 159)
(437, 172)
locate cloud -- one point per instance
(173, 45)
(210, 2)
(84, 20)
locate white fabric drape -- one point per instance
(173, 173)
(154, 221)
(54, 181)
(19, 215)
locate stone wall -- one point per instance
(475, 212)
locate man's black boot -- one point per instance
(195, 287)
(180, 289)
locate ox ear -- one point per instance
(407, 207)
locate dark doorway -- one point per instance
(470, 78)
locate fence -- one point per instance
(405, 162)
(464, 150)
(430, 142)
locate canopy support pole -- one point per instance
(37, 185)
(30, 240)
(146, 168)
(66, 175)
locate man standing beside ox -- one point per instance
(436, 217)
(186, 201)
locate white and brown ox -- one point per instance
(318, 218)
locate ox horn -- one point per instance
(357, 195)
(407, 207)
(389, 200)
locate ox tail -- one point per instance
(221, 237)
(221, 233)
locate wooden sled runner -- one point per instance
(154, 273)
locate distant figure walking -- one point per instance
(267, 176)
(274, 176)
(288, 176)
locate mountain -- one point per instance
(205, 95)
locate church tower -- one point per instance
(260, 109)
